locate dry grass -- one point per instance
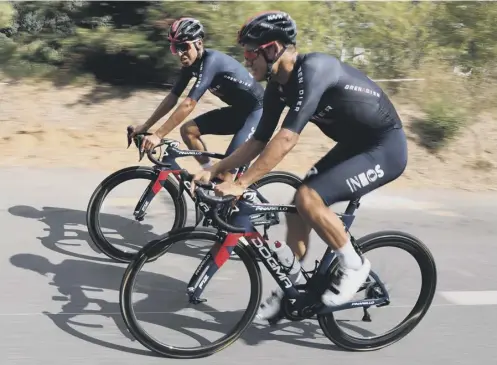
(84, 126)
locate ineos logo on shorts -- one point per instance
(363, 179)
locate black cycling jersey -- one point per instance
(224, 77)
(341, 100)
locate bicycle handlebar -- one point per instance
(216, 203)
(171, 149)
(138, 138)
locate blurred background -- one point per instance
(74, 74)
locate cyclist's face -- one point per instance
(186, 52)
(256, 61)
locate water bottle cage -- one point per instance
(286, 269)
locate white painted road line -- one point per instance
(488, 297)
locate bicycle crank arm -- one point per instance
(364, 303)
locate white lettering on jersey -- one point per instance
(300, 97)
(362, 90)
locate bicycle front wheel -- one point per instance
(159, 315)
(103, 228)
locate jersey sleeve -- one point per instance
(208, 70)
(180, 85)
(271, 112)
(314, 77)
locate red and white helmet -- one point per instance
(184, 30)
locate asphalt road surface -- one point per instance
(60, 298)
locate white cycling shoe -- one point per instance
(345, 284)
(271, 306)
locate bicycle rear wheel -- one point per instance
(153, 252)
(427, 266)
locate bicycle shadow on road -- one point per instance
(84, 284)
(70, 225)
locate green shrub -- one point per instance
(442, 122)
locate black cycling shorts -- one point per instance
(228, 120)
(349, 171)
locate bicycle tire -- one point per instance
(428, 268)
(154, 250)
(106, 186)
(278, 177)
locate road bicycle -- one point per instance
(164, 175)
(301, 301)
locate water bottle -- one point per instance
(287, 259)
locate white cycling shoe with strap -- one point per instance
(345, 284)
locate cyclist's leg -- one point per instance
(336, 177)
(298, 230)
(213, 122)
(378, 165)
(247, 124)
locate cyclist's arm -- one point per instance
(164, 107)
(180, 113)
(244, 154)
(170, 100)
(310, 90)
(208, 70)
(241, 156)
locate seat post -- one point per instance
(352, 206)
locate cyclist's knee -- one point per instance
(189, 130)
(307, 199)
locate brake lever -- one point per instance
(129, 130)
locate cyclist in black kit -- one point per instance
(347, 107)
(217, 72)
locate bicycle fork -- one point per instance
(221, 252)
(210, 264)
(150, 192)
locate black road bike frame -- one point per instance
(305, 302)
(168, 165)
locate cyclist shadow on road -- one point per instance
(70, 225)
(84, 284)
